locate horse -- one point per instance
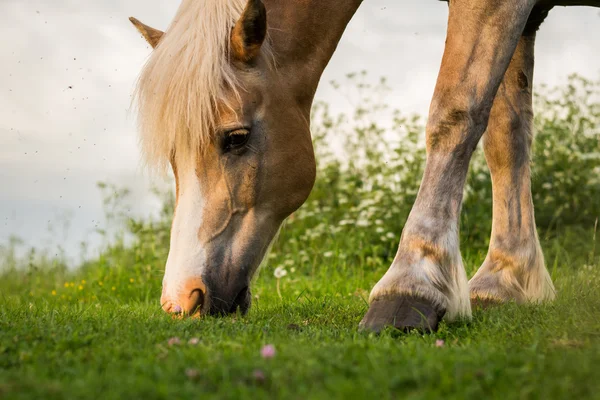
(225, 100)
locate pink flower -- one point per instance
(193, 341)
(439, 343)
(268, 351)
(174, 341)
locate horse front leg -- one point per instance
(427, 279)
(514, 267)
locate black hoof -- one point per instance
(402, 312)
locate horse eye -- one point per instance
(236, 139)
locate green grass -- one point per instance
(71, 335)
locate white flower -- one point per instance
(328, 254)
(280, 272)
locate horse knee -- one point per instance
(455, 128)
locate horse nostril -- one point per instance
(189, 300)
(194, 302)
(192, 297)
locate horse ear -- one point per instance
(151, 35)
(249, 32)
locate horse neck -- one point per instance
(305, 34)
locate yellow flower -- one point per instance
(80, 287)
(66, 284)
(100, 283)
(83, 282)
(131, 280)
(54, 293)
(114, 288)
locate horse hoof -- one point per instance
(402, 312)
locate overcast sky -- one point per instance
(69, 66)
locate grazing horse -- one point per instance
(225, 99)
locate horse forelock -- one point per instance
(183, 81)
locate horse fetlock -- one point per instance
(398, 282)
(512, 276)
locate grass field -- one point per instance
(99, 333)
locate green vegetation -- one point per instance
(98, 331)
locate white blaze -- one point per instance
(186, 256)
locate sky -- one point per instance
(69, 67)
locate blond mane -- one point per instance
(183, 80)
